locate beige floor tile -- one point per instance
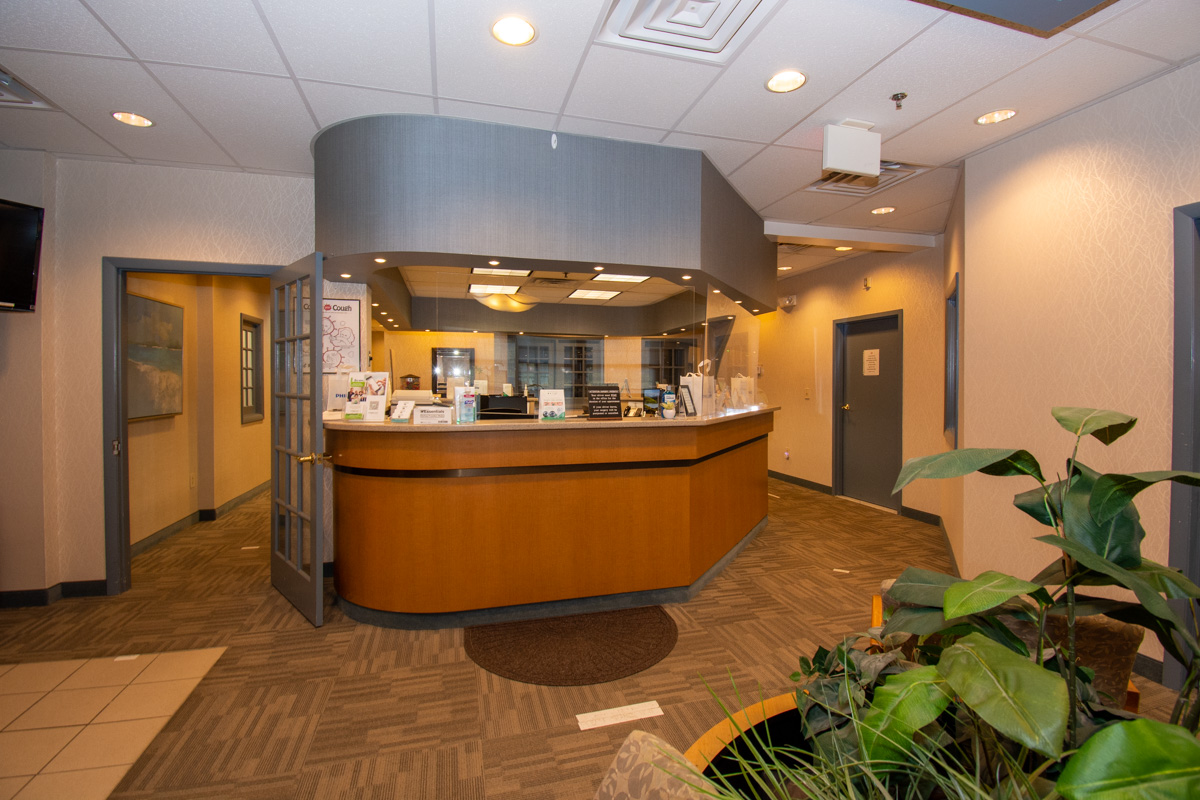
(180, 664)
(107, 745)
(142, 700)
(118, 671)
(83, 784)
(64, 707)
(26, 752)
(10, 786)
(14, 705)
(37, 677)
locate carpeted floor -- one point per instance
(352, 711)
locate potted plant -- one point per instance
(948, 701)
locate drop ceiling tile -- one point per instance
(831, 43)
(541, 120)
(623, 300)
(726, 154)
(980, 52)
(1166, 28)
(64, 26)
(52, 131)
(259, 120)
(603, 88)
(1079, 72)
(775, 173)
(913, 195)
(611, 130)
(808, 259)
(228, 34)
(473, 66)
(1104, 15)
(335, 102)
(927, 220)
(802, 206)
(383, 45)
(90, 89)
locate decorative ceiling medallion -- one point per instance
(1038, 17)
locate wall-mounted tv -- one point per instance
(20, 254)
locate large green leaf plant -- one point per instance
(949, 677)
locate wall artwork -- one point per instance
(153, 358)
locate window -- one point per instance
(251, 370)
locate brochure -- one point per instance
(366, 397)
(552, 405)
(402, 410)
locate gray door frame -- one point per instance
(1184, 550)
(839, 387)
(117, 551)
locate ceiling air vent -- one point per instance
(890, 174)
(794, 249)
(550, 282)
(14, 94)
(707, 30)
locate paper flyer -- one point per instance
(552, 406)
(366, 397)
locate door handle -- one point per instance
(846, 407)
(314, 458)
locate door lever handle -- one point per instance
(314, 458)
(846, 407)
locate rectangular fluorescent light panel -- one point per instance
(605, 276)
(492, 288)
(516, 273)
(591, 294)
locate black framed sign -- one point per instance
(685, 399)
(604, 401)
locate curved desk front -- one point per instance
(434, 521)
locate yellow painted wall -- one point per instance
(796, 348)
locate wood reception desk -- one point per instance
(433, 523)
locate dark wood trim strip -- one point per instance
(801, 482)
(43, 597)
(921, 516)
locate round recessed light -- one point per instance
(391, 320)
(345, 274)
(598, 268)
(754, 311)
(999, 115)
(687, 277)
(882, 210)
(381, 261)
(787, 81)
(738, 302)
(494, 263)
(664, 334)
(716, 291)
(375, 305)
(514, 31)
(783, 269)
(730, 317)
(129, 118)
(427, 330)
(843, 249)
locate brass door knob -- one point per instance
(846, 407)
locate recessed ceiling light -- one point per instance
(729, 317)
(375, 305)
(381, 261)
(516, 273)
(129, 118)
(591, 294)
(716, 291)
(787, 81)
(754, 310)
(345, 274)
(520, 333)
(843, 249)
(608, 276)
(598, 268)
(494, 263)
(687, 277)
(882, 210)
(391, 320)
(427, 330)
(783, 269)
(737, 302)
(514, 31)
(992, 117)
(664, 334)
(493, 288)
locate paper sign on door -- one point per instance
(870, 362)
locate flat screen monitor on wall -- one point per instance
(20, 253)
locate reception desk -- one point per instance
(435, 523)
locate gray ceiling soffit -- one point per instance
(1039, 17)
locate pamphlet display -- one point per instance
(552, 405)
(686, 402)
(432, 415)
(402, 410)
(366, 397)
(604, 402)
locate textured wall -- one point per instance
(1069, 247)
(108, 209)
(797, 353)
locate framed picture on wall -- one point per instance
(153, 358)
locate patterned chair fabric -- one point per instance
(647, 768)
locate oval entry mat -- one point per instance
(578, 650)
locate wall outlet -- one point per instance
(192, 482)
(807, 393)
(787, 455)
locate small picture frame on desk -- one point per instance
(685, 400)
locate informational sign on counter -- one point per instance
(432, 415)
(552, 406)
(604, 401)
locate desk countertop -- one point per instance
(571, 423)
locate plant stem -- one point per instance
(1185, 693)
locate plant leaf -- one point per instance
(1115, 491)
(1142, 758)
(921, 587)
(1107, 426)
(1150, 599)
(1119, 539)
(919, 621)
(1018, 698)
(1167, 580)
(1033, 503)
(988, 590)
(956, 463)
(904, 704)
